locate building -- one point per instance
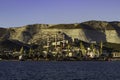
(115, 56)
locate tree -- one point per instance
(21, 50)
(82, 48)
(30, 52)
(101, 47)
(92, 46)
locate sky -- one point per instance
(15, 13)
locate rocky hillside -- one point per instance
(86, 31)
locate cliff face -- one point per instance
(86, 31)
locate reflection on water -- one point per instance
(81, 70)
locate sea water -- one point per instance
(59, 70)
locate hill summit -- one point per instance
(85, 31)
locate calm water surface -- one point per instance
(53, 70)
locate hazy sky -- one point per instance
(15, 13)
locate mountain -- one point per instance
(86, 31)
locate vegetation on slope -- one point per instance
(12, 45)
(112, 46)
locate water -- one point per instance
(53, 70)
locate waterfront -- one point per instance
(59, 70)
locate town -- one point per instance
(61, 48)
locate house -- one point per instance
(115, 56)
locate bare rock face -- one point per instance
(86, 31)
